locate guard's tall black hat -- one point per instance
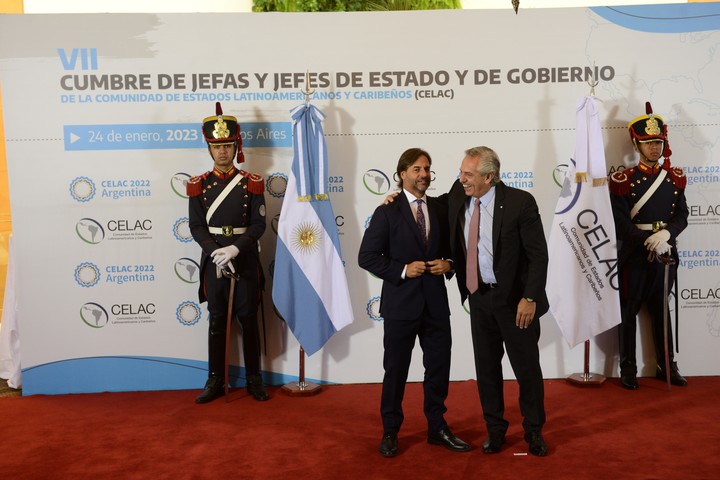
(223, 130)
(650, 128)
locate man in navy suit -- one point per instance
(504, 280)
(407, 246)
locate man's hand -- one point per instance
(438, 267)
(525, 313)
(222, 256)
(414, 269)
(656, 239)
(390, 198)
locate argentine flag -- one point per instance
(309, 284)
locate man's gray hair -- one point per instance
(489, 162)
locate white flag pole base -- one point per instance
(586, 378)
(301, 388)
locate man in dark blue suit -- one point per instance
(406, 244)
(503, 272)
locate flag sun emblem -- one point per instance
(306, 237)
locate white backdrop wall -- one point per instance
(102, 117)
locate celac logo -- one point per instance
(178, 183)
(373, 309)
(570, 190)
(396, 177)
(188, 313)
(277, 184)
(181, 230)
(704, 214)
(94, 315)
(559, 174)
(376, 182)
(187, 270)
(87, 274)
(82, 189)
(90, 231)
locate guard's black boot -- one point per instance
(675, 377)
(256, 389)
(629, 381)
(214, 388)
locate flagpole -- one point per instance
(228, 325)
(666, 260)
(586, 378)
(301, 388)
(318, 232)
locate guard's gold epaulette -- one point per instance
(193, 188)
(619, 183)
(256, 184)
(676, 174)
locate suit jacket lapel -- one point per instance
(498, 214)
(456, 215)
(433, 222)
(461, 223)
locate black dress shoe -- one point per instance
(214, 388)
(389, 445)
(256, 389)
(493, 442)
(446, 438)
(675, 377)
(536, 444)
(629, 381)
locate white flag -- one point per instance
(582, 273)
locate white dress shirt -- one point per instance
(484, 246)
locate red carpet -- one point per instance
(593, 433)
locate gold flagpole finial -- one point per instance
(592, 82)
(307, 92)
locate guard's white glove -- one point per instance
(656, 239)
(222, 256)
(663, 249)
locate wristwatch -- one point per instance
(529, 300)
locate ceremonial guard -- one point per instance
(650, 211)
(227, 218)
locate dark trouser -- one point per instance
(493, 325)
(643, 282)
(245, 297)
(628, 331)
(399, 339)
(216, 345)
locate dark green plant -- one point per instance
(414, 4)
(351, 5)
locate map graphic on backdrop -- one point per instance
(111, 117)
